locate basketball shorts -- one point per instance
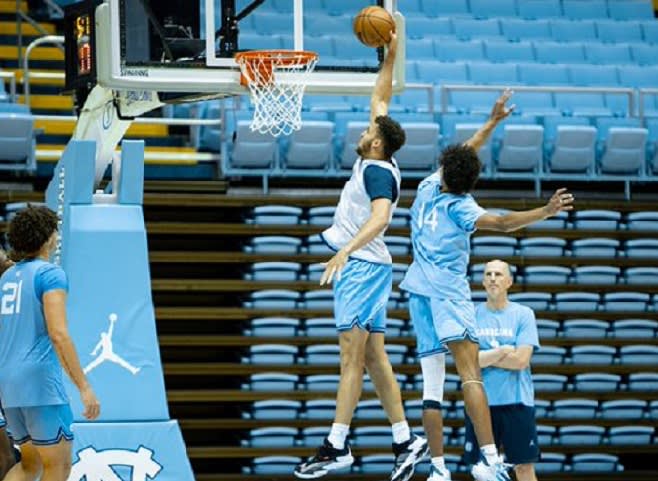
(515, 434)
(361, 295)
(438, 322)
(42, 425)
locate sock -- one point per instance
(401, 432)
(490, 453)
(439, 463)
(338, 434)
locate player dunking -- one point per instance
(34, 346)
(444, 215)
(362, 272)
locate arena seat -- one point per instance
(596, 219)
(580, 434)
(605, 275)
(596, 382)
(575, 408)
(593, 355)
(276, 409)
(274, 245)
(579, 10)
(584, 328)
(273, 327)
(546, 275)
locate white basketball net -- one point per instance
(276, 80)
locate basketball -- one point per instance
(373, 25)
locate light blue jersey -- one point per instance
(513, 326)
(441, 227)
(30, 372)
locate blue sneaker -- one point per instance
(497, 471)
(439, 474)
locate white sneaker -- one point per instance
(484, 471)
(439, 474)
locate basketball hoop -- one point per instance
(276, 81)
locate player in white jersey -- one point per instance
(444, 215)
(362, 275)
(508, 336)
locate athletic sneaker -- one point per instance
(439, 474)
(484, 471)
(327, 459)
(407, 455)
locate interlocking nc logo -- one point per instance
(95, 465)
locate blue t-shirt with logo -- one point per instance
(30, 372)
(515, 326)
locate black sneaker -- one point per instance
(327, 459)
(407, 455)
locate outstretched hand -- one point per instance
(500, 111)
(561, 200)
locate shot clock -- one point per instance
(80, 52)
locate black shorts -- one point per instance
(515, 434)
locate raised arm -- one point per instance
(381, 95)
(499, 112)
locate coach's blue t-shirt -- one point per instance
(514, 325)
(30, 372)
(441, 228)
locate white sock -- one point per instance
(401, 432)
(338, 434)
(490, 453)
(439, 463)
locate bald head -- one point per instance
(497, 279)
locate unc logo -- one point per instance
(108, 116)
(95, 465)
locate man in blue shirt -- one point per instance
(34, 346)
(508, 336)
(443, 218)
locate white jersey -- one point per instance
(353, 212)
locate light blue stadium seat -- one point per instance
(558, 221)
(573, 150)
(596, 382)
(443, 72)
(630, 435)
(643, 381)
(551, 124)
(643, 220)
(397, 245)
(341, 119)
(603, 463)
(596, 219)
(639, 354)
(604, 124)
(488, 9)
(370, 409)
(401, 217)
(463, 132)
(310, 147)
(626, 301)
(478, 296)
(320, 409)
(546, 275)
(320, 327)
(580, 10)
(623, 409)
(322, 104)
(372, 436)
(634, 328)
(521, 149)
(595, 247)
(584, 328)
(274, 465)
(459, 412)
(323, 354)
(275, 409)
(421, 148)
(348, 48)
(396, 353)
(650, 31)
(641, 276)
(550, 463)
(352, 135)
(575, 408)
(396, 301)
(271, 23)
(321, 216)
(420, 49)
(542, 407)
(535, 103)
(425, 27)
(625, 151)
(594, 75)
(558, 53)
(549, 382)
(587, 104)
(339, 26)
(253, 40)
(545, 434)
(553, 355)
(451, 50)
(317, 246)
(573, 31)
(272, 354)
(274, 215)
(593, 355)
(395, 328)
(449, 122)
(607, 275)
(492, 73)
(611, 31)
(630, 9)
(515, 30)
(273, 382)
(544, 75)
(576, 301)
(580, 434)
(320, 299)
(273, 299)
(399, 271)
(538, 301)
(17, 141)
(442, 8)
(377, 464)
(540, 9)
(644, 54)
(253, 150)
(273, 327)
(493, 246)
(468, 28)
(274, 437)
(315, 435)
(653, 410)
(323, 382)
(639, 248)
(599, 53)
(547, 328)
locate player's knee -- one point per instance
(352, 359)
(525, 472)
(375, 358)
(59, 468)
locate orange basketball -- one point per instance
(373, 25)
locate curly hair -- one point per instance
(391, 133)
(29, 230)
(461, 168)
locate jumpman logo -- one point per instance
(107, 351)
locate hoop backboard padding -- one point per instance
(116, 72)
(276, 81)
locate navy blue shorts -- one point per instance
(515, 434)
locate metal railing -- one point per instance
(24, 17)
(12, 84)
(430, 93)
(642, 94)
(54, 39)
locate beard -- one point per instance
(363, 148)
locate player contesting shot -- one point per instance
(361, 272)
(444, 215)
